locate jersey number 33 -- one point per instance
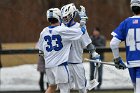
(54, 42)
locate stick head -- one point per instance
(92, 84)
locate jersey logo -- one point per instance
(50, 31)
(135, 21)
(54, 42)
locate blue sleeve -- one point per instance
(119, 32)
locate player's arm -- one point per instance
(118, 36)
(71, 33)
(87, 43)
(82, 15)
(114, 45)
(92, 50)
(39, 45)
(89, 46)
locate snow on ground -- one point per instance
(25, 77)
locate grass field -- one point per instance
(108, 91)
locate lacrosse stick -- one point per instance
(95, 61)
(105, 63)
(93, 83)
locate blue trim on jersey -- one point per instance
(67, 72)
(134, 73)
(65, 64)
(73, 63)
(73, 24)
(83, 29)
(52, 26)
(69, 24)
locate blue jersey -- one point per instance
(129, 31)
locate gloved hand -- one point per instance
(41, 53)
(96, 56)
(119, 63)
(83, 16)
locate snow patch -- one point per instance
(25, 77)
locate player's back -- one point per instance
(129, 31)
(55, 42)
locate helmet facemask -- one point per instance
(67, 19)
(68, 13)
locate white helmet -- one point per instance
(68, 12)
(54, 13)
(135, 3)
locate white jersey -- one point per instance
(55, 42)
(77, 47)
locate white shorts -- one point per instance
(77, 76)
(56, 75)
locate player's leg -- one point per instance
(92, 69)
(64, 87)
(51, 81)
(41, 69)
(62, 78)
(71, 82)
(137, 80)
(79, 77)
(83, 90)
(41, 81)
(100, 73)
(132, 72)
(51, 89)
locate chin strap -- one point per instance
(69, 23)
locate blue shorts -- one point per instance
(134, 73)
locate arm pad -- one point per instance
(91, 48)
(114, 45)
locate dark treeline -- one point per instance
(23, 20)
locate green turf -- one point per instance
(106, 91)
(112, 91)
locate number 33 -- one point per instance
(58, 43)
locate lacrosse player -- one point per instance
(54, 43)
(129, 31)
(76, 68)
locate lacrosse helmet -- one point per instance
(69, 12)
(54, 13)
(135, 3)
(135, 6)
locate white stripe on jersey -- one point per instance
(135, 63)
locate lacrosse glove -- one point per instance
(119, 63)
(96, 56)
(83, 16)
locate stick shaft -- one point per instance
(94, 61)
